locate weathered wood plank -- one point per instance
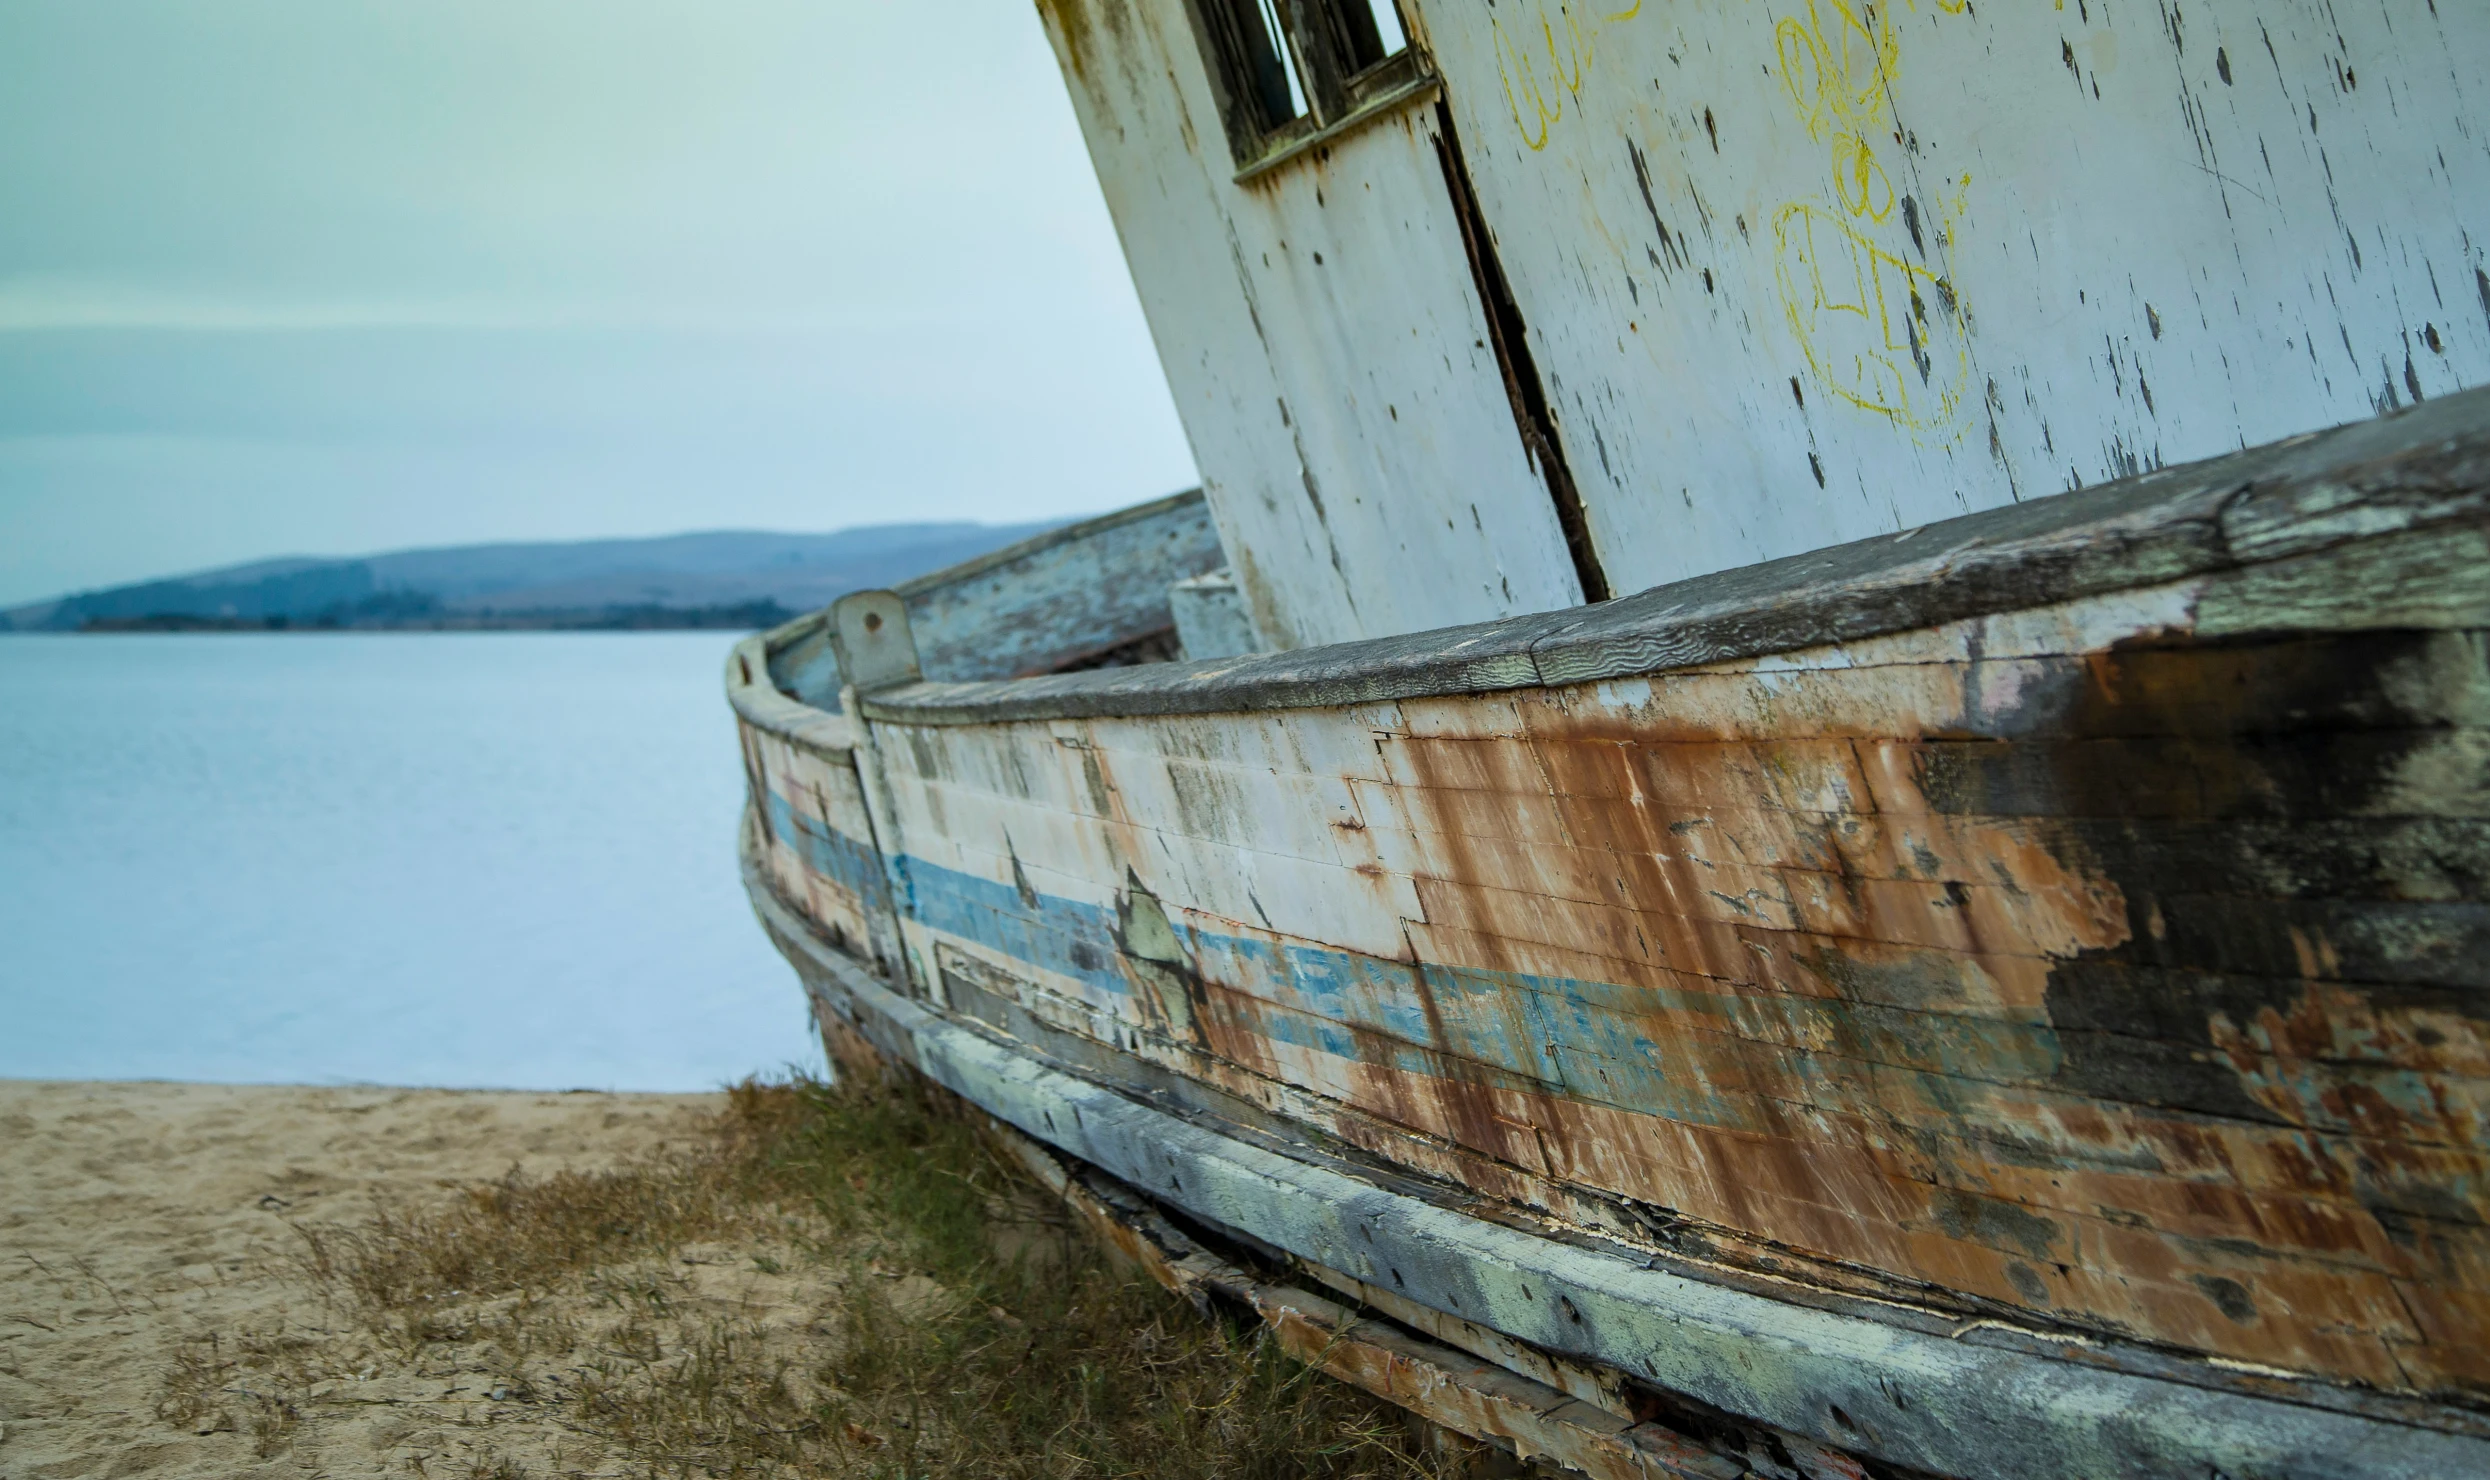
(1530, 1418)
(1671, 954)
(1963, 1405)
(1061, 597)
(2053, 963)
(1361, 1078)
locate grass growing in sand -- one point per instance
(827, 1282)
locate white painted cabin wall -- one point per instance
(1326, 348)
(2145, 264)
(2173, 268)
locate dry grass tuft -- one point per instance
(209, 1378)
(528, 1233)
(831, 1282)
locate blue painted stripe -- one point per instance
(1576, 1038)
(1354, 1007)
(852, 865)
(1058, 935)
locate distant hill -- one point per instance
(722, 578)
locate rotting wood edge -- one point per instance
(1479, 1399)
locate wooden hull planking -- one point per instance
(2071, 925)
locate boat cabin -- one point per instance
(1481, 307)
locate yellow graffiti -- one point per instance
(1859, 180)
(1868, 320)
(1837, 68)
(1547, 64)
(1878, 329)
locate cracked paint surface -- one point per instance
(1794, 272)
(1985, 968)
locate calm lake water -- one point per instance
(489, 859)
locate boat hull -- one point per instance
(2005, 997)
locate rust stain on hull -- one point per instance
(2119, 981)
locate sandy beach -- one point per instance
(143, 1222)
(786, 1279)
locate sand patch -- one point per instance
(146, 1229)
(784, 1280)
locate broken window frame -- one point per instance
(1335, 52)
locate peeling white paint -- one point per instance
(1795, 272)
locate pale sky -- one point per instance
(334, 276)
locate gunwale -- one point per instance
(2425, 466)
(757, 703)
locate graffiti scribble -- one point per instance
(1880, 330)
(1546, 64)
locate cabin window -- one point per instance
(1368, 31)
(1390, 38)
(1292, 72)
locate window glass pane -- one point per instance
(1387, 24)
(1283, 58)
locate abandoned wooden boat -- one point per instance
(1949, 979)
